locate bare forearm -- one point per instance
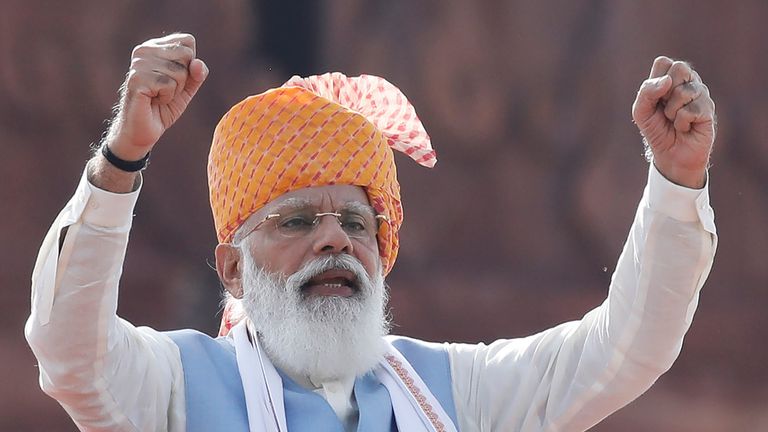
(106, 176)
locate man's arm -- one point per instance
(572, 376)
(107, 374)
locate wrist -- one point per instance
(692, 178)
(102, 174)
(123, 148)
(122, 164)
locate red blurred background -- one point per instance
(516, 229)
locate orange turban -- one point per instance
(321, 130)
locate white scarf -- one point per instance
(416, 408)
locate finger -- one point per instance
(165, 88)
(704, 90)
(681, 96)
(170, 59)
(175, 60)
(198, 72)
(154, 67)
(683, 120)
(172, 68)
(660, 66)
(187, 40)
(681, 73)
(648, 97)
(147, 84)
(696, 77)
(172, 45)
(177, 71)
(180, 39)
(177, 53)
(698, 114)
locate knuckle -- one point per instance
(182, 39)
(692, 109)
(670, 110)
(139, 50)
(645, 87)
(680, 63)
(180, 51)
(696, 76)
(138, 63)
(681, 68)
(687, 91)
(164, 80)
(132, 76)
(176, 65)
(132, 80)
(187, 52)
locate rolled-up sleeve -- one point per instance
(106, 373)
(570, 377)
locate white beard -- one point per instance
(322, 338)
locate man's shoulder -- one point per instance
(406, 344)
(430, 359)
(193, 341)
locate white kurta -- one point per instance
(112, 376)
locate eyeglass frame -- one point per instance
(315, 222)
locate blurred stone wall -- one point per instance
(516, 229)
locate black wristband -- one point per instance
(124, 165)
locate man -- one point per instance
(306, 207)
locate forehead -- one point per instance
(332, 196)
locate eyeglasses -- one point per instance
(302, 222)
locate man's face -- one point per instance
(276, 252)
(315, 293)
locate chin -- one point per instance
(332, 338)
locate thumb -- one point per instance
(198, 72)
(648, 98)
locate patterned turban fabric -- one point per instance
(322, 130)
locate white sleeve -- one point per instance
(570, 377)
(107, 374)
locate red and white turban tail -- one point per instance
(316, 131)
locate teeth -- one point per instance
(333, 285)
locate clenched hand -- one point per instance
(676, 117)
(163, 78)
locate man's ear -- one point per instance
(229, 267)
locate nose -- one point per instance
(330, 238)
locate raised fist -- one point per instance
(163, 78)
(676, 117)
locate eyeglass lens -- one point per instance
(302, 222)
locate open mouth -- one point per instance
(334, 282)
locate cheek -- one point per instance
(279, 257)
(368, 256)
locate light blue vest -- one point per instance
(216, 402)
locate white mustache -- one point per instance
(330, 262)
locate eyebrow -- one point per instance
(297, 203)
(359, 207)
(291, 204)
